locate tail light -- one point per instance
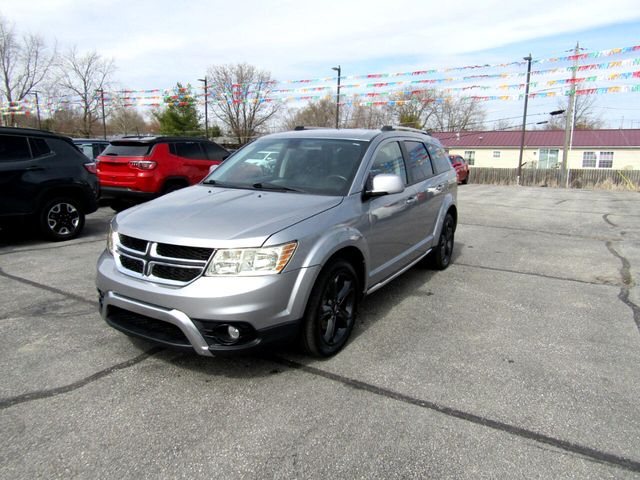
(91, 167)
(142, 164)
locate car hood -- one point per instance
(220, 217)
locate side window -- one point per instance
(98, 148)
(214, 152)
(172, 149)
(14, 148)
(418, 163)
(190, 150)
(39, 147)
(440, 159)
(388, 159)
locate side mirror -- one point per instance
(212, 168)
(385, 184)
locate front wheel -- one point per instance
(440, 257)
(331, 310)
(61, 219)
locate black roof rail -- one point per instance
(391, 128)
(297, 128)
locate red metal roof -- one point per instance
(629, 138)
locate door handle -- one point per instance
(411, 200)
(34, 168)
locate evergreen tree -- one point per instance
(181, 116)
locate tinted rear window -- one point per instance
(129, 149)
(39, 147)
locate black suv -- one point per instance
(46, 179)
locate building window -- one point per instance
(470, 157)
(496, 154)
(605, 160)
(588, 159)
(548, 158)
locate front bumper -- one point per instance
(266, 309)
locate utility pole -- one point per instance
(36, 92)
(104, 120)
(206, 102)
(339, 70)
(524, 118)
(568, 127)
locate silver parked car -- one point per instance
(252, 256)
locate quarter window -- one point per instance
(439, 157)
(588, 159)
(418, 163)
(389, 160)
(13, 148)
(470, 157)
(214, 152)
(39, 147)
(190, 150)
(605, 160)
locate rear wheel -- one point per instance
(173, 186)
(440, 256)
(120, 205)
(466, 179)
(331, 310)
(61, 219)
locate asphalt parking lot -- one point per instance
(522, 360)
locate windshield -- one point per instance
(304, 165)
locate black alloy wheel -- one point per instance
(61, 219)
(441, 254)
(332, 310)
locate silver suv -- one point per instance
(264, 252)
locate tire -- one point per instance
(331, 310)
(120, 205)
(466, 179)
(440, 257)
(172, 187)
(61, 218)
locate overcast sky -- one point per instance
(154, 44)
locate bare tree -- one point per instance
(24, 62)
(125, 120)
(584, 114)
(457, 114)
(240, 95)
(361, 115)
(85, 76)
(318, 114)
(414, 109)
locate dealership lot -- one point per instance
(520, 360)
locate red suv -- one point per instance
(134, 169)
(462, 168)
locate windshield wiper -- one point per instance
(273, 186)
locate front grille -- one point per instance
(132, 264)
(179, 251)
(146, 327)
(179, 274)
(133, 243)
(161, 262)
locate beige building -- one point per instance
(598, 149)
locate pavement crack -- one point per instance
(40, 394)
(542, 232)
(42, 286)
(582, 450)
(50, 247)
(533, 274)
(627, 283)
(605, 217)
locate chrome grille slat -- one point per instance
(149, 264)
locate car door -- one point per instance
(428, 192)
(445, 178)
(389, 238)
(195, 163)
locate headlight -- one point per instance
(251, 261)
(112, 238)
